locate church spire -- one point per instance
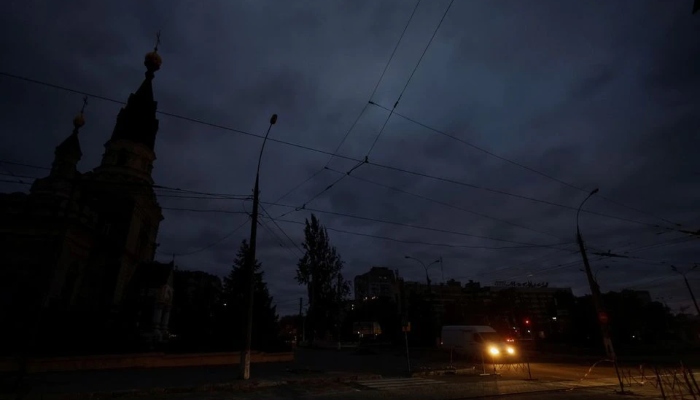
(68, 153)
(137, 121)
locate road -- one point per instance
(390, 365)
(452, 388)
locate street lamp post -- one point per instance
(430, 288)
(687, 284)
(425, 267)
(595, 293)
(595, 274)
(250, 265)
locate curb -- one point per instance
(218, 387)
(440, 372)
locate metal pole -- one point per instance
(595, 295)
(301, 320)
(690, 290)
(408, 358)
(248, 334)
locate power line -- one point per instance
(200, 210)
(387, 167)
(496, 191)
(446, 204)
(281, 230)
(134, 184)
(359, 217)
(425, 50)
(371, 96)
(386, 121)
(135, 192)
(228, 235)
(381, 77)
(279, 240)
(434, 178)
(550, 177)
(177, 116)
(327, 188)
(411, 242)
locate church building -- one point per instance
(77, 252)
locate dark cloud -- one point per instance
(595, 94)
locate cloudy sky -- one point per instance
(543, 101)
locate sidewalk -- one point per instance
(170, 381)
(406, 389)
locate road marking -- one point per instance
(397, 383)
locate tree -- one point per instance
(195, 304)
(234, 301)
(320, 269)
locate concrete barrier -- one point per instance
(146, 360)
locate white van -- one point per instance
(477, 340)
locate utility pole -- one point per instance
(595, 295)
(248, 334)
(442, 270)
(430, 292)
(687, 284)
(300, 326)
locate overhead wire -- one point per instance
(136, 192)
(233, 212)
(298, 208)
(386, 121)
(411, 242)
(383, 166)
(447, 204)
(425, 50)
(359, 116)
(282, 230)
(359, 217)
(210, 245)
(550, 177)
(279, 240)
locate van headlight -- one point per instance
(510, 350)
(494, 351)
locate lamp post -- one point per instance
(687, 284)
(595, 294)
(250, 265)
(430, 289)
(595, 275)
(425, 267)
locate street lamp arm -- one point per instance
(578, 212)
(273, 120)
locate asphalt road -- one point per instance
(423, 389)
(391, 365)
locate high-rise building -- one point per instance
(378, 282)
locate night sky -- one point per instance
(583, 94)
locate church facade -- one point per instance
(78, 249)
